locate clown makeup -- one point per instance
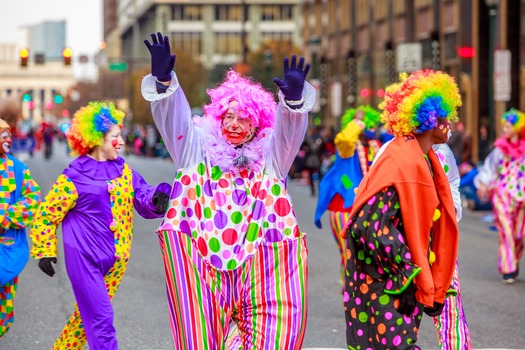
(508, 131)
(5, 142)
(112, 143)
(236, 129)
(442, 131)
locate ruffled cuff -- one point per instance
(398, 283)
(149, 88)
(309, 99)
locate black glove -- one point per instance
(293, 80)
(162, 61)
(46, 267)
(434, 311)
(407, 300)
(160, 201)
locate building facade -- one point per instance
(215, 32)
(360, 46)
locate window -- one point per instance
(450, 46)
(187, 42)
(229, 43)
(229, 13)
(187, 12)
(276, 12)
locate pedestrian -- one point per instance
(94, 199)
(314, 148)
(356, 146)
(402, 236)
(501, 179)
(235, 259)
(451, 326)
(19, 198)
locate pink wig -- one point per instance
(254, 102)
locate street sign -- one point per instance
(409, 57)
(502, 78)
(118, 66)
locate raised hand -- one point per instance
(294, 77)
(160, 201)
(162, 61)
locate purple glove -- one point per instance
(162, 61)
(294, 77)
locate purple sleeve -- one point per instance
(144, 192)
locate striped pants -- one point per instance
(260, 305)
(338, 221)
(451, 326)
(7, 304)
(509, 219)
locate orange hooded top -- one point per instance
(403, 165)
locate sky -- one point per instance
(83, 20)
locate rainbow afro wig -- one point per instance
(371, 117)
(90, 124)
(415, 104)
(254, 102)
(517, 119)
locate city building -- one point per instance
(216, 32)
(360, 46)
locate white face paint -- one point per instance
(449, 134)
(5, 142)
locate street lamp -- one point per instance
(493, 11)
(314, 49)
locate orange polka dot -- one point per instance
(381, 328)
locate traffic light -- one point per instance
(67, 53)
(24, 54)
(26, 97)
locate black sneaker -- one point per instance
(509, 278)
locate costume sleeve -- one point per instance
(489, 171)
(290, 128)
(19, 214)
(346, 140)
(143, 201)
(447, 160)
(377, 231)
(172, 115)
(61, 198)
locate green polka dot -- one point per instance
(399, 321)
(368, 261)
(198, 190)
(266, 224)
(374, 216)
(384, 299)
(183, 214)
(236, 217)
(253, 231)
(276, 190)
(287, 231)
(215, 245)
(207, 213)
(363, 317)
(179, 175)
(347, 183)
(216, 173)
(361, 255)
(446, 168)
(201, 169)
(232, 264)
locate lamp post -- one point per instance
(314, 49)
(493, 11)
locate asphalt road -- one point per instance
(495, 312)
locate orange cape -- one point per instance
(403, 165)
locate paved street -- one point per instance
(495, 312)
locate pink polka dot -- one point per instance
(397, 340)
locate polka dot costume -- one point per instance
(229, 214)
(378, 270)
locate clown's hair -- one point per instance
(4, 125)
(254, 101)
(371, 117)
(90, 124)
(517, 119)
(415, 103)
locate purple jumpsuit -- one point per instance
(94, 201)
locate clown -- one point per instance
(235, 259)
(502, 177)
(402, 236)
(94, 199)
(356, 148)
(19, 198)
